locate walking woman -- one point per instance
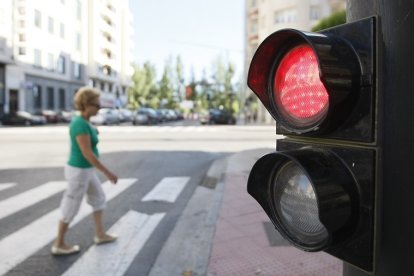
(80, 173)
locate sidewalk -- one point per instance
(245, 242)
(224, 232)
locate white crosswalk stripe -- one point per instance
(168, 189)
(19, 202)
(133, 229)
(4, 186)
(21, 244)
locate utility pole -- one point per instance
(394, 254)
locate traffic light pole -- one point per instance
(394, 247)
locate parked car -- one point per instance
(65, 116)
(204, 117)
(153, 117)
(179, 115)
(125, 115)
(105, 116)
(162, 116)
(219, 116)
(50, 115)
(23, 118)
(139, 118)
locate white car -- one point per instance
(105, 116)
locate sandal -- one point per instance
(106, 239)
(61, 251)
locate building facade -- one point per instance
(48, 53)
(264, 17)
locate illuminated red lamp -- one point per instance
(305, 80)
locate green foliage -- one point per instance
(143, 82)
(166, 89)
(215, 89)
(337, 18)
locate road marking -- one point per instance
(4, 186)
(168, 189)
(20, 245)
(133, 229)
(21, 201)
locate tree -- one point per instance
(166, 89)
(143, 82)
(337, 18)
(179, 78)
(223, 94)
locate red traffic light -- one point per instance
(299, 93)
(314, 83)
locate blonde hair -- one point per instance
(84, 96)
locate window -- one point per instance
(50, 98)
(22, 11)
(314, 13)
(253, 27)
(106, 69)
(38, 19)
(21, 23)
(2, 44)
(107, 36)
(285, 16)
(50, 24)
(37, 58)
(50, 62)
(107, 53)
(76, 70)
(78, 10)
(37, 96)
(61, 65)
(62, 30)
(278, 17)
(78, 42)
(22, 51)
(62, 98)
(92, 83)
(22, 37)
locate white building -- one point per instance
(51, 50)
(110, 49)
(264, 17)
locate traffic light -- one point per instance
(320, 187)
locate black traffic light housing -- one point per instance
(346, 58)
(320, 188)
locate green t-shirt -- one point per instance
(79, 126)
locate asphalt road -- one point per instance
(148, 167)
(159, 168)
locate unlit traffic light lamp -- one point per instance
(319, 187)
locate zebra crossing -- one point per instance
(133, 228)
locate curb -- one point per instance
(187, 250)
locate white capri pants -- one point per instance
(81, 181)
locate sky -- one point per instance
(197, 30)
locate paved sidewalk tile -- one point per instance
(241, 245)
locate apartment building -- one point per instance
(264, 17)
(50, 50)
(110, 50)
